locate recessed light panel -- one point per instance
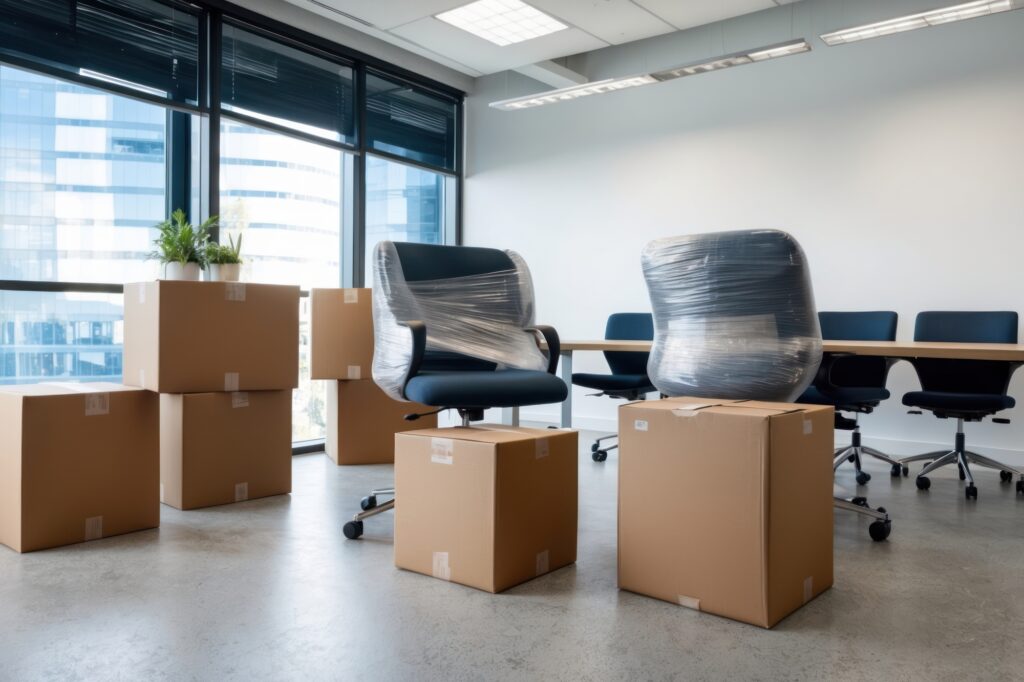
(502, 22)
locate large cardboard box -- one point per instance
(193, 337)
(488, 507)
(362, 421)
(218, 448)
(77, 462)
(341, 342)
(726, 506)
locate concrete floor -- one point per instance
(270, 589)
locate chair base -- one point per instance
(354, 528)
(856, 451)
(881, 526)
(600, 454)
(963, 458)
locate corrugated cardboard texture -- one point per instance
(362, 422)
(342, 334)
(725, 506)
(248, 335)
(219, 448)
(96, 475)
(468, 506)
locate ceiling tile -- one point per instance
(613, 21)
(387, 14)
(687, 14)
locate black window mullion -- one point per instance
(213, 62)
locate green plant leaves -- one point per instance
(179, 241)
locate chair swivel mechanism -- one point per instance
(965, 390)
(453, 329)
(628, 380)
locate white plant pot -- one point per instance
(188, 272)
(225, 272)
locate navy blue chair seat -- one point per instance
(843, 396)
(966, 403)
(613, 382)
(502, 388)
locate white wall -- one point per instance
(898, 163)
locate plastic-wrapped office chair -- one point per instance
(734, 317)
(628, 380)
(854, 383)
(965, 390)
(454, 329)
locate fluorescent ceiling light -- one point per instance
(943, 15)
(611, 84)
(503, 22)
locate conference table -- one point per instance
(900, 350)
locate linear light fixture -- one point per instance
(502, 22)
(611, 84)
(911, 22)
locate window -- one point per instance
(410, 122)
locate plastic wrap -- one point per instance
(734, 316)
(481, 316)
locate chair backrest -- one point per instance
(628, 327)
(734, 316)
(965, 376)
(475, 303)
(859, 370)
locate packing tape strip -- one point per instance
(441, 451)
(355, 372)
(351, 295)
(93, 528)
(97, 404)
(142, 378)
(234, 291)
(640, 425)
(241, 492)
(240, 399)
(689, 602)
(142, 292)
(808, 427)
(543, 562)
(541, 448)
(808, 588)
(230, 382)
(440, 568)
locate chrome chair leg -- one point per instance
(354, 528)
(882, 524)
(927, 455)
(947, 458)
(879, 455)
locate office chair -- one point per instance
(628, 380)
(734, 317)
(453, 329)
(854, 383)
(965, 390)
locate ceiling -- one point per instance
(593, 24)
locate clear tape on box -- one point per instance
(734, 316)
(481, 316)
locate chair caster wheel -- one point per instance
(1005, 476)
(879, 530)
(923, 482)
(595, 447)
(1020, 487)
(353, 529)
(599, 455)
(851, 458)
(863, 477)
(898, 470)
(860, 501)
(971, 492)
(368, 502)
(963, 475)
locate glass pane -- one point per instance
(60, 337)
(286, 199)
(145, 45)
(410, 122)
(285, 86)
(405, 204)
(82, 181)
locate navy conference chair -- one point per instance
(965, 390)
(453, 329)
(628, 380)
(855, 383)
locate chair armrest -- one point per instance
(418, 331)
(554, 345)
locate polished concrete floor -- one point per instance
(269, 589)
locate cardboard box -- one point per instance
(341, 341)
(362, 422)
(77, 462)
(726, 506)
(193, 337)
(488, 507)
(219, 448)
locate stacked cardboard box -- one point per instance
(361, 419)
(726, 506)
(77, 462)
(225, 357)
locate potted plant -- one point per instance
(181, 246)
(225, 260)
